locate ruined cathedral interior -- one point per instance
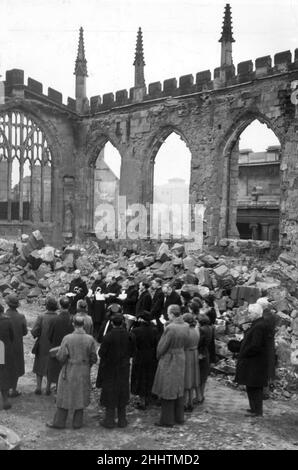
(53, 172)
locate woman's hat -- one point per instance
(12, 300)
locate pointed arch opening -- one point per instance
(25, 169)
(107, 169)
(171, 180)
(253, 184)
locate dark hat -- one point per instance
(117, 318)
(186, 295)
(146, 316)
(12, 301)
(115, 308)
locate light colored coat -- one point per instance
(192, 369)
(77, 353)
(169, 378)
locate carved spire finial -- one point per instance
(227, 29)
(81, 62)
(139, 54)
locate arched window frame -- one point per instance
(22, 141)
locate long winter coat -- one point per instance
(77, 353)
(192, 371)
(61, 327)
(169, 378)
(144, 303)
(19, 326)
(206, 332)
(41, 330)
(129, 304)
(144, 363)
(252, 365)
(113, 373)
(157, 303)
(97, 308)
(7, 337)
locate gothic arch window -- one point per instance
(25, 169)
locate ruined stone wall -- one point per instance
(209, 115)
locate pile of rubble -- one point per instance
(34, 270)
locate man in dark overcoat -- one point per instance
(79, 288)
(113, 374)
(144, 302)
(157, 302)
(144, 362)
(171, 298)
(61, 327)
(6, 357)
(252, 365)
(19, 325)
(97, 303)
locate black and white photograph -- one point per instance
(148, 228)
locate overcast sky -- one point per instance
(180, 37)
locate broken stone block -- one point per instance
(294, 326)
(4, 284)
(24, 238)
(177, 261)
(36, 292)
(68, 262)
(283, 319)
(43, 283)
(15, 282)
(9, 440)
(190, 278)
(221, 271)
(35, 242)
(287, 258)
(203, 277)
(5, 258)
(235, 273)
(282, 306)
(163, 253)
(283, 351)
(4, 245)
(189, 263)
(178, 249)
(209, 260)
(42, 270)
(167, 270)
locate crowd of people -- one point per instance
(151, 339)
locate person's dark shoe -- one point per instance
(37, 391)
(249, 411)
(53, 426)
(122, 424)
(48, 392)
(7, 406)
(14, 394)
(140, 406)
(180, 423)
(253, 415)
(164, 425)
(77, 427)
(188, 408)
(107, 425)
